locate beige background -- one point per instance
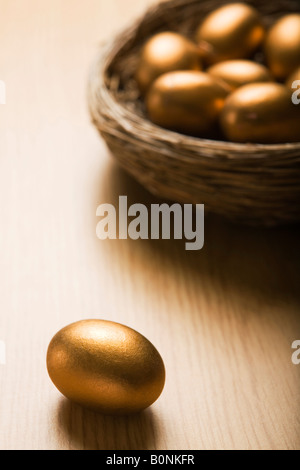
(223, 318)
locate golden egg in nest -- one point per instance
(233, 31)
(105, 366)
(165, 52)
(282, 46)
(188, 102)
(240, 72)
(261, 113)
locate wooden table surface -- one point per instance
(223, 318)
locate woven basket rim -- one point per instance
(132, 123)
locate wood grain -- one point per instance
(223, 319)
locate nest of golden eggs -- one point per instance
(200, 102)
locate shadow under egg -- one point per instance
(84, 429)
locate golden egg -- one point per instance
(261, 113)
(292, 78)
(163, 53)
(233, 31)
(240, 72)
(105, 366)
(282, 46)
(188, 102)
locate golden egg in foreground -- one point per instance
(233, 31)
(282, 46)
(240, 72)
(188, 102)
(105, 366)
(292, 78)
(261, 113)
(163, 53)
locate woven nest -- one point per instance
(248, 183)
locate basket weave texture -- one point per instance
(247, 183)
